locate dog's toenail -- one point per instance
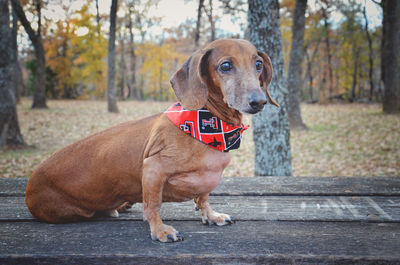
(180, 236)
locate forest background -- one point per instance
(341, 88)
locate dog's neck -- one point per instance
(219, 108)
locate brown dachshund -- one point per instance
(151, 160)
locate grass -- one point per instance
(342, 140)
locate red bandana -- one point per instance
(207, 128)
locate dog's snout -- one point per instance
(257, 100)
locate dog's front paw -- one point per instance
(219, 219)
(166, 233)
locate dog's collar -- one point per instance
(205, 127)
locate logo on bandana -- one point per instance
(205, 127)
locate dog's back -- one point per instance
(91, 172)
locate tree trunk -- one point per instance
(111, 99)
(210, 19)
(391, 56)
(328, 51)
(370, 57)
(39, 96)
(198, 24)
(9, 128)
(356, 52)
(97, 17)
(296, 56)
(122, 69)
(132, 93)
(271, 126)
(16, 73)
(310, 61)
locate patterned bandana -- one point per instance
(205, 127)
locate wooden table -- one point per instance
(281, 220)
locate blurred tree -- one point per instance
(370, 55)
(198, 24)
(60, 58)
(132, 56)
(390, 53)
(88, 50)
(16, 73)
(39, 97)
(111, 98)
(326, 9)
(9, 128)
(209, 12)
(160, 62)
(294, 73)
(271, 131)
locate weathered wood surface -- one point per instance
(273, 186)
(246, 242)
(286, 220)
(254, 208)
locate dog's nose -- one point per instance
(257, 100)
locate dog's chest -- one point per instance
(202, 179)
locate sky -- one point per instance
(174, 12)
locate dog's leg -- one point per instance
(208, 215)
(153, 181)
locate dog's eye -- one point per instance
(259, 65)
(225, 67)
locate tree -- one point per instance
(390, 53)
(370, 56)
(111, 98)
(325, 15)
(294, 72)
(9, 128)
(211, 19)
(198, 24)
(132, 93)
(16, 73)
(39, 96)
(271, 128)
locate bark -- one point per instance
(328, 50)
(391, 56)
(296, 57)
(356, 52)
(122, 69)
(271, 126)
(16, 73)
(198, 24)
(97, 17)
(111, 98)
(211, 20)
(132, 93)
(310, 61)
(9, 128)
(370, 57)
(39, 96)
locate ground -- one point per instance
(342, 140)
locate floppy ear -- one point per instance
(266, 77)
(190, 82)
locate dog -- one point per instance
(153, 160)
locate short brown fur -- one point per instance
(151, 160)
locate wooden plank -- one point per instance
(255, 208)
(273, 186)
(242, 243)
(338, 186)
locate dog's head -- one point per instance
(232, 68)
